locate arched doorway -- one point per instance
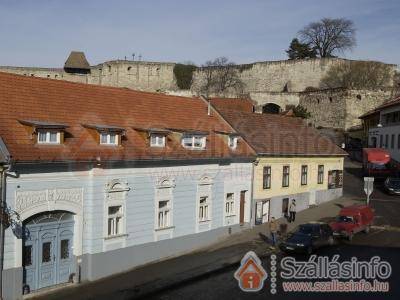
(47, 256)
(271, 108)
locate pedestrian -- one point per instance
(273, 229)
(292, 211)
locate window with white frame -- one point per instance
(163, 203)
(108, 138)
(232, 142)
(203, 209)
(116, 192)
(230, 204)
(320, 174)
(194, 142)
(115, 215)
(164, 211)
(157, 140)
(49, 137)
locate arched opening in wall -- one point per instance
(47, 250)
(271, 108)
(129, 68)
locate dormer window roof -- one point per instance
(43, 125)
(106, 128)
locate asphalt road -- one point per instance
(383, 241)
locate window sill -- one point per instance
(228, 216)
(205, 221)
(164, 228)
(111, 237)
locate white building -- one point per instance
(387, 133)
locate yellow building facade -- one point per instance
(310, 180)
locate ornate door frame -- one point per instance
(30, 203)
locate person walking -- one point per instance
(273, 229)
(292, 211)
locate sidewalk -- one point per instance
(157, 276)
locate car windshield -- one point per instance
(395, 182)
(305, 229)
(344, 219)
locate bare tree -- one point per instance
(329, 36)
(221, 76)
(358, 75)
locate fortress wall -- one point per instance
(145, 76)
(340, 108)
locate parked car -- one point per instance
(308, 237)
(352, 219)
(392, 185)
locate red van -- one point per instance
(353, 219)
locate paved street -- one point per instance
(383, 241)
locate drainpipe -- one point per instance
(3, 170)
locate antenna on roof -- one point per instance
(133, 56)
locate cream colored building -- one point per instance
(321, 182)
(293, 162)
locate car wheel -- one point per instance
(350, 237)
(331, 241)
(367, 229)
(309, 250)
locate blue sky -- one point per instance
(43, 32)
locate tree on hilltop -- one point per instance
(329, 37)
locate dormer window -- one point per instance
(194, 142)
(107, 134)
(108, 138)
(48, 137)
(232, 142)
(157, 140)
(44, 132)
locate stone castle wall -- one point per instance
(340, 108)
(145, 76)
(282, 76)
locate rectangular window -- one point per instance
(381, 141)
(115, 215)
(386, 141)
(267, 177)
(203, 209)
(108, 138)
(46, 252)
(194, 142)
(64, 249)
(230, 204)
(48, 137)
(164, 213)
(398, 141)
(304, 173)
(285, 176)
(320, 174)
(392, 141)
(157, 140)
(232, 141)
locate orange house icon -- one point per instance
(251, 275)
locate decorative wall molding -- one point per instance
(26, 200)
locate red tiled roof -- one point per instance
(233, 104)
(74, 104)
(271, 134)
